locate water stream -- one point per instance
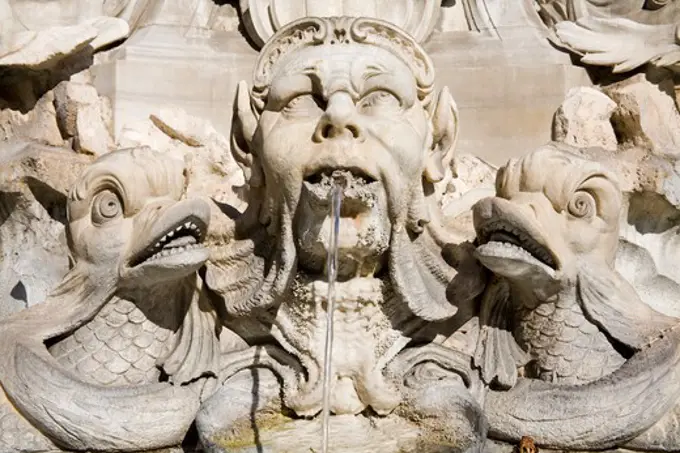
(332, 270)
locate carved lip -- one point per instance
(179, 231)
(502, 238)
(359, 189)
(316, 176)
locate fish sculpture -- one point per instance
(116, 357)
(573, 357)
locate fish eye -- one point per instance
(106, 206)
(582, 205)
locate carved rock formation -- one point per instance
(34, 183)
(584, 120)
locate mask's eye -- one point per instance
(106, 206)
(377, 101)
(305, 105)
(582, 205)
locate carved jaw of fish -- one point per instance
(128, 229)
(169, 245)
(513, 244)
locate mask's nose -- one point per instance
(339, 119)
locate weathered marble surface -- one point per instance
(508, 261)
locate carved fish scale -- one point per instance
(566, 347)
(119, 347)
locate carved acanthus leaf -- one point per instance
(620, 43)
(613, 304)
(421, 277)
(197, 351)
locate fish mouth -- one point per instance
(185, 236)
(359, 189)
(176, 238)
(502, 241)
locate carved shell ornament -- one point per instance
(263, 18)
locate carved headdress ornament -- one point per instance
(263, 18)
(339, 31)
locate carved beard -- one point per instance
(417, 270)
(256, 270)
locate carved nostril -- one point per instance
(354, 129)
(329, 130)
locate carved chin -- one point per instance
(364, 226)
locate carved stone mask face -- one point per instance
(126, 217)
(353, 111)
(342, 99)
(553, 210)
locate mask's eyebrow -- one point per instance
(314, 72)
(296, 80)
(373, 70)
(369, 76)
(362, 73)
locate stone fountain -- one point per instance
(165, 274)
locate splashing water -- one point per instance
(332, 269)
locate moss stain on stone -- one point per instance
(243, 436)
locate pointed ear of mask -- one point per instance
(243, 126)
(445, 133)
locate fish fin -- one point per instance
(197, 351)
(611, 303)
(497, 354)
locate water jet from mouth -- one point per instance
(332, 271)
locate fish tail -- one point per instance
(664, 435)
(17, 435)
